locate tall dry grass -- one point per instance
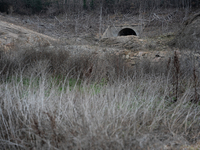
(51, 100)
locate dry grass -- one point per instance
(52, 101)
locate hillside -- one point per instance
(63, 32)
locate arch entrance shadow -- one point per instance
(127, 31)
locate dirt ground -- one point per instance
(12, 35)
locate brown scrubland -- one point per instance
(64, 87)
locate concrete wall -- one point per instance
(112, 31)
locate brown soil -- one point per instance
(12, 35)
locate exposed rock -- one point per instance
(131, 63)
(142, 54)
(128, 42)
(127, 56)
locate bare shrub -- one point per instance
(8, 64)
(123, 109)
(40, 114)
(60, 63)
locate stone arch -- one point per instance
(127, 31)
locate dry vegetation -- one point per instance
(51, 100)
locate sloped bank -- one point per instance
(13, 36)
(189, 36)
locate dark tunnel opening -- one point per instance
(126, 31)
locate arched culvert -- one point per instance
(126, 31)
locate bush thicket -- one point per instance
(52, 100)
(109, 6)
